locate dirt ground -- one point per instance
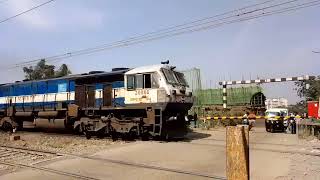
(202, 152)
(58, 142)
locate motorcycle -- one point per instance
(246, 121)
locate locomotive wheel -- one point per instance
(7, 127)
(167, 138)
(132, 135)
(85, 131)
(156, 138)
(78, 130)
(101, 134)
(145, 137)
(87, 134)
(114, 136)
(124, 136)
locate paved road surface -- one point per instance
(203, 155)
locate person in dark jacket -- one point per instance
(195, 118)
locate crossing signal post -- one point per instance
(259, 81)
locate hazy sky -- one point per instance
(273, 46)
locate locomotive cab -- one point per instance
(161, 86)
(156, 84)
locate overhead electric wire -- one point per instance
(81, 52)
(162, 31)
(26, 11)
(204, 28)
(165, 34)
(158, 31)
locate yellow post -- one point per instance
(237, 152)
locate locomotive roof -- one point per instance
(150, 68)
(142, 69)
(73, 77)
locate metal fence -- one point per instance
(236, 96)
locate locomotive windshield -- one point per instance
(170, 77)
(181, 79)
(174, 77)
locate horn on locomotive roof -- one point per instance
(165, 62)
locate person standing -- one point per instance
(292, 123)
(195, 118)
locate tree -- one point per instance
(299, 108)
(63, 71)
(312, 93)
(44, 71)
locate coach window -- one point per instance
(142, 81)
(139, 81)
(130, 82)
(147, 80)
(155, 80)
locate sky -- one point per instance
(269, 47)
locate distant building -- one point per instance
(276, 102)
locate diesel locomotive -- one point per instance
(148, 102)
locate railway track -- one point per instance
(57, 134)
(73, 175)
(63, 173)
(37, 153)
(17, 157)
(20, 155)
(132, 164)
(210, 139)
(40, 156)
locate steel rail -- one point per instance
(50, 170)
(127, 163)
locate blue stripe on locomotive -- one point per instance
(44, 87)
(37, 87)
(50, 86)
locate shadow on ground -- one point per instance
(195, 136)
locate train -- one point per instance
(146, 102)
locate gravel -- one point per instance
(62, 143)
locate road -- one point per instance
(200, 156)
